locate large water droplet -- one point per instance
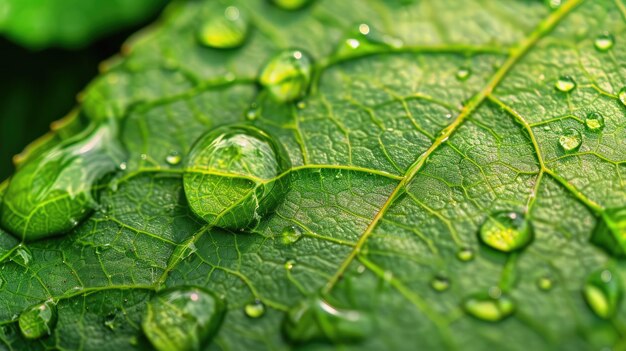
(604, 42)
(610, 231)
(182, 318)
(489, 307)
(291, 5)
(226, 31)
(465, 254)
(570, 140)
(173, 158)
(316, 319)
(603, 293)
(38, 320)
(232, 176)
(287, 75)
(440, 283)
(506, 231)
(291, 234)
(565, 84)
(52, 192)
(594, 122)
(255, 309)
(622, 96)
(545, 283)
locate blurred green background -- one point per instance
(50, 50)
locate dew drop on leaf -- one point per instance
(440, 283)
(182, 318)
(506, 231)
(604, 42)
(594, 122)
(570, 140)
(610, 231)
(287, 75)
(291, 5)
(463, 73)
(22, 255)
(255, 309)
(173, 158)
(232, 176)
(315, 319)
(366, 40)
(622, 96)
(38, 320)
(291, 234)
(545, 283)
(489, 308)
(565, 84)
(227, 30)
(465, 254)
(290, 264)
(52, 192)
(603, 293)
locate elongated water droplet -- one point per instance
(594, 122)
(545, 283)
(565, 84)
(610, 231)
(463, 73)
(440, 283)
(226, 31)
(315, 319)
(465, 254)
(489, 308)
(506, 231)
(182, 318)
(173, 158)
(603, 293)
(287, 75)
(231, 179)
(366, 40)
(553, 4)
(38, 320)
(570, 140)
(255, 309)
(291, 5)
(51, 193)
(604, 42)
(622, 96)
(22, 256)
(291, 234)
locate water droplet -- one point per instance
(622, 96)
(465, 254)
(610, 231)
(22, 256)
(252, 113)
(603, 293)
(226, 31)
(553, 4)
(123, 166)
(291, 234)
(545, 283)
(604, 42)
(52, 192)
(365, 40)
(506, 231)
(463, 73)
(110, 321)
(182, 318)
(38, 320)
(291, 5)
(173, 158)
(488, 308)
(315, 319)
(594, 122)
(565, 84)
(301, 104)
(289, 264)
(287, 75)
(440, 283)
(570, 140)
(232, 176)
(255, 309)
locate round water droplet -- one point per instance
(553, 4)
(173, 158)
(52, 192)
(287, 75)
(604, 42)
(506, 231)
(565, 84)
(315, 319)
(594, 122)
(252, 113)
(545, 283)
(488, 308)
(603, 293)
(570, 140)
(232, 176)
(38, 320)
(463, 73)
(225, 31)
(255, 309)
(289, 264)
(291, 5)
(291, 234)
(182, 318)
(465, 254)
(622, 96)
(439, 283)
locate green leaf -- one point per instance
(423, 125)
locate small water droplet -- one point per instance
(465, 254)
(604, 42)
(291, 234)
(173, 158)
(287, 75)
(488, 308)
(38, 320)
(291, 5)
(594, 122)
(603, 293)
(545, 283)
(506, 231)
(553, 4)
(301, 104)
(622, 96)
(565, 84)
(110, 321)
(227, 31)
(440, 283)
(463, 73)
(255, 309)
(364, 29)
(289, 264)
(182, 318)
(252, 113)
(570, 140)
(123, 166)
